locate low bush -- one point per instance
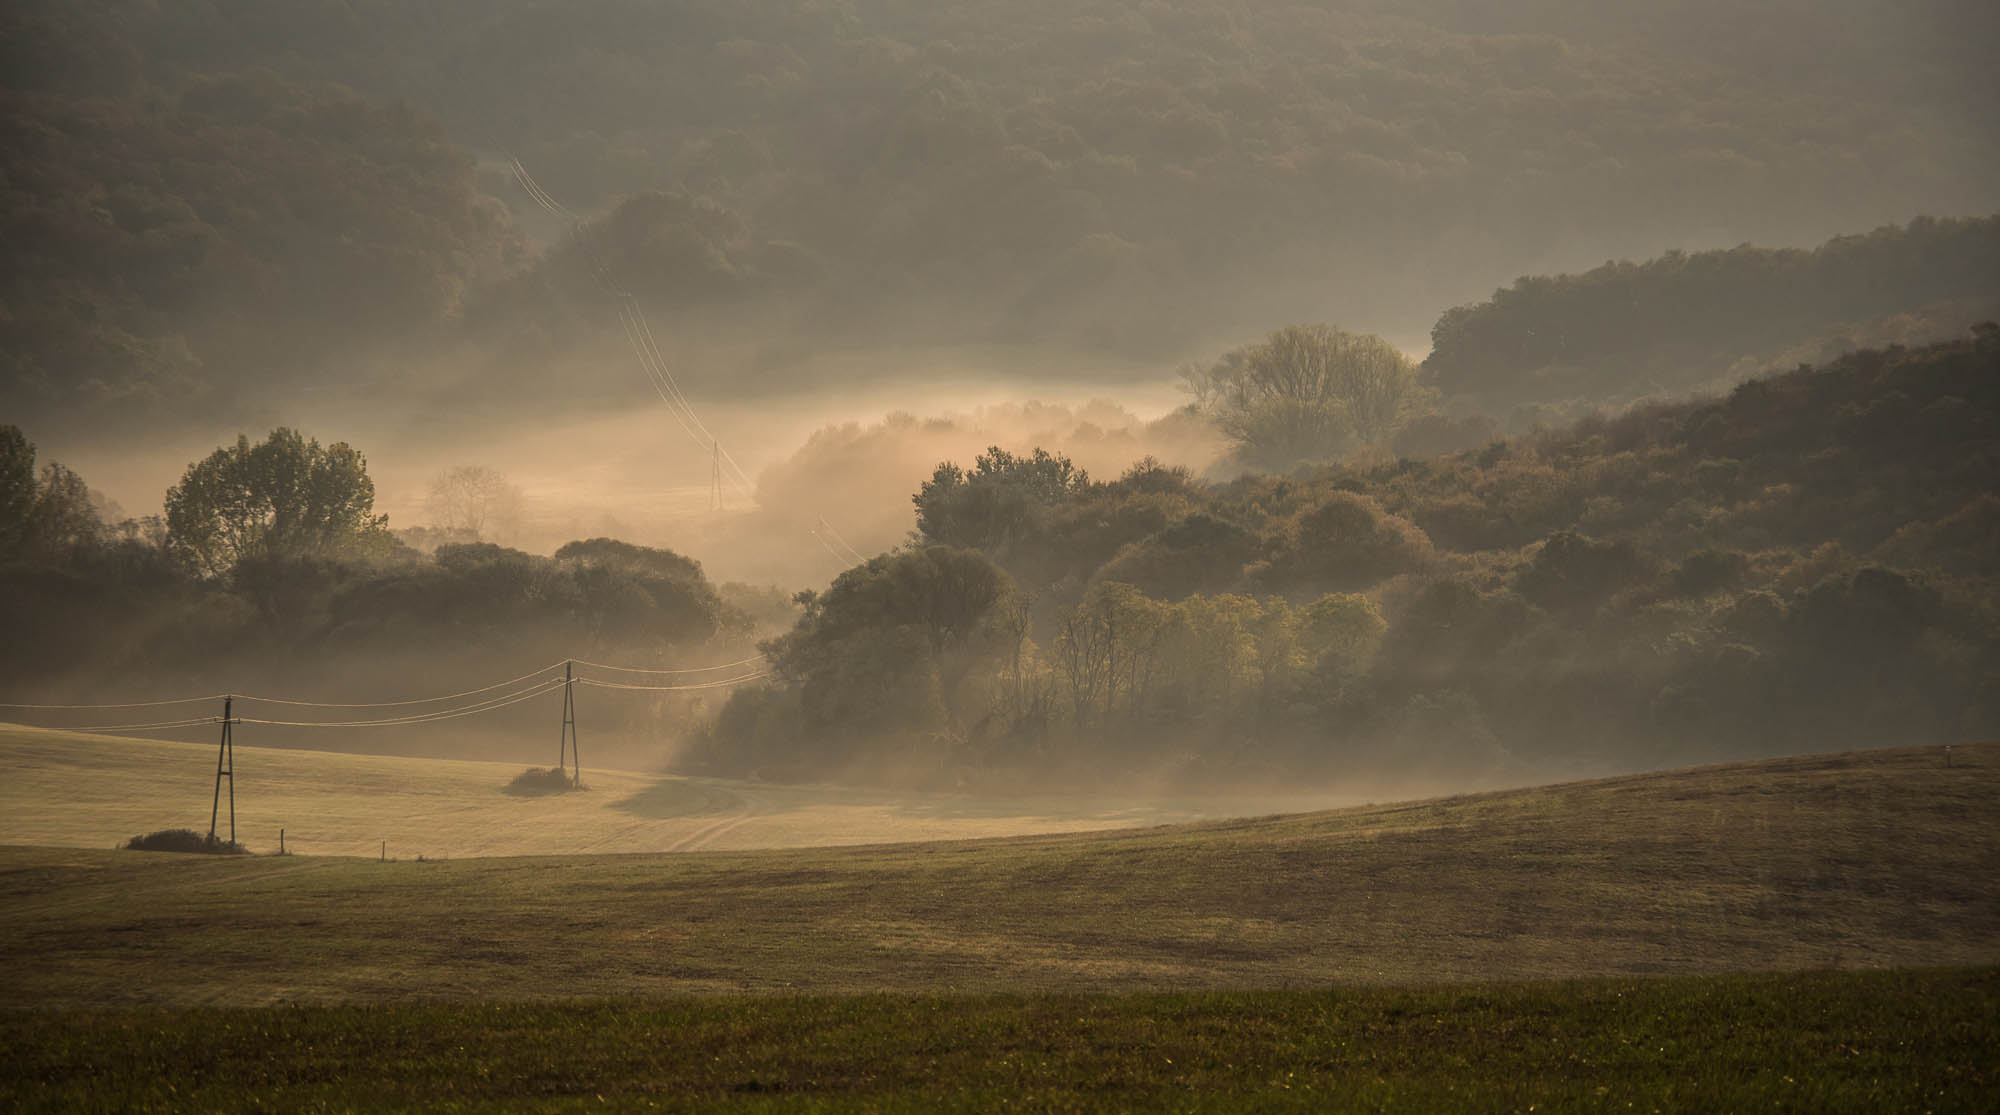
(185, 840)
(542, 780)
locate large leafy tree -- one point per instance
(287, 496)
(882, 652)
(1308, 393)
(1004, 500)
(45, 519)
(17, 490)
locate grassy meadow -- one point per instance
(1879, 859)
(1821, 1042)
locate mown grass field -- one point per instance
(1818, 1042)
(1880, 859)
(87, 791)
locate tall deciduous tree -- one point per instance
(1308, 393)
(45, 519)
(285, 496)
(17, 490)
(1003, 499)
(476, 500)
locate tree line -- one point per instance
(1807, 563)
(270, 562)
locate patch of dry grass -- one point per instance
(1869, 859)
(93, 791)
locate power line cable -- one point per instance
(419, 718)
(828, 527)
(397, 704)
(161, 726)
(669, 670)
(123, 704)
(298, 703)
(828, 546)
(595, 683)
(639, 334)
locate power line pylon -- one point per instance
(568, 750)
(225, 767)
(715, 479)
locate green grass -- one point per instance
(1865, 860)
(1822, 1042)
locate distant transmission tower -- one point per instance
(715, 481)
(225, 767)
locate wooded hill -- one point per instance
(209, 199)
(1704, 320)
(1809, 561)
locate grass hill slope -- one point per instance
(94, 791)
(1866, 859)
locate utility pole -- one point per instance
(225, 767)
(568, 749)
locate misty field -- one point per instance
(94, 791)
(1876, 859)
(1808, 1042)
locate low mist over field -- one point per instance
(885, 445)
(1022, 397)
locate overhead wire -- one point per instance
(598, 684)
(659, 375)
(161, 726)
(422, 716)
(824, 544)
(397, 704)
(639, 334)
(828, 527)
(670, 669)
(653, 346)
(123, 704)
(489, 705)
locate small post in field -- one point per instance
(1947, 756)
(281, 842)
(385, 851)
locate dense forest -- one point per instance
(217, 203)
(1806, 563)
(1688, 321)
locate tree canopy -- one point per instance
(1308, 394)
(208, 201)
(1808, 561)
(286, 496)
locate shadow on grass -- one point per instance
(680, 797)
(541, 781)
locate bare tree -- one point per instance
(477, 500)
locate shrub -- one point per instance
(542, 780)
(185, 840)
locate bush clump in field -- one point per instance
(542, 780)
(185, 840)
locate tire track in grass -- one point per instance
(755, 806)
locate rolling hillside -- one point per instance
(1864, 859)
(88, 791)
